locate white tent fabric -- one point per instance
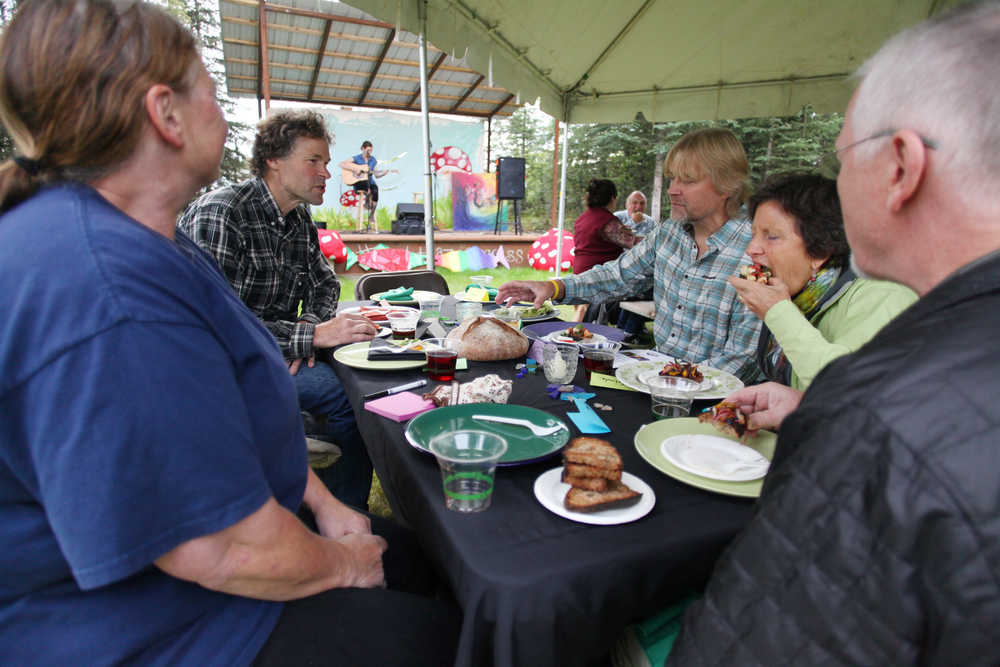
(600, 61)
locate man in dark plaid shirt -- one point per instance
(263, 237)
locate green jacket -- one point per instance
(843, 326)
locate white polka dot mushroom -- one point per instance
(542, 255)
(450, 158)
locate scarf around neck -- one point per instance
(819, 292)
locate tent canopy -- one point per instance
(600, 61)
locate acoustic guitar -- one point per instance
(350, 178)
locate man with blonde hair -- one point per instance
(686, 261)
(876, 539)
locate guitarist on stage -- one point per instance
(360, 172)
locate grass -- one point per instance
(457, 280)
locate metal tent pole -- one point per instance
(426, 125)
(562, 197)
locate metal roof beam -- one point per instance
(500, 106)
(430, 75)
(319, 57)
(467, 93)
(378, 65)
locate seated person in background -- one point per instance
(814, 307)
(262, 235)
(686, 261)
(598, 236)
(634, 216)
(152, 458)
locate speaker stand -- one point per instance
(517, 216)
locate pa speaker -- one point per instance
(510, 178)
(409, 210)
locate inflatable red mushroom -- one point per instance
(331, 245)
(349, 199)
(542, 255)
(450, 158)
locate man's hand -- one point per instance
(293, 365)
(364, 568)
(343, 329)
(536, 291)
(760, 297)
(766, 405)
(334, 519)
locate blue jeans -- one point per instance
(320, 393)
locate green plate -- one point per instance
(412, 301)
(355, 355)
(650, 436)
(522, 445)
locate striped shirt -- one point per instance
(272, 261)
(697, 314)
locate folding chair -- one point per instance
(373, 283)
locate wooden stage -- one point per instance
(515, 246)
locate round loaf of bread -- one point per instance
(489, 339)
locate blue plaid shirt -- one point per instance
(273, 261)
(697, 316)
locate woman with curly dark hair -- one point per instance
(814, 307)
(598, 236)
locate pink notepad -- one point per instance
(401, 406)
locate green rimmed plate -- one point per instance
(355, 355)
(651, 436)
(523, 446)
(413, 300)
(723, 383)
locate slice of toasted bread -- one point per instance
(593, 452)
(580, 470)
(616, 495)
(589, 483)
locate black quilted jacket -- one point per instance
(877, 538)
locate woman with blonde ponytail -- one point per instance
(152, 457)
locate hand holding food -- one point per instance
(757, 273)
(766, 405)
(727, 417)
(758, 296)
(535, 291)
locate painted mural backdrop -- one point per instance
(474, 202)
(397, 137)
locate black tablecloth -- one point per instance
(536, 588)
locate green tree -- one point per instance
(203, 20)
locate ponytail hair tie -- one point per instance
(29, 165)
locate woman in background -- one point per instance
(598, 236)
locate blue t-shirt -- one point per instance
(141, 405)
(371, 162)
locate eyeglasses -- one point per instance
(828, 164)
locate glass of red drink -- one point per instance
(600, 358)
(442, 355)
(403, 324)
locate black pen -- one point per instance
(396, 390)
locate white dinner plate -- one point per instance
(645, 376)
(714, 457)
(382, 310)
(723, 383)
(551, 491)
(561, 337)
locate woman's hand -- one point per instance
(759, 297)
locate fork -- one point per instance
(535, 428)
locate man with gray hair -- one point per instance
(876, 539)
(263, 237)
(634, 216)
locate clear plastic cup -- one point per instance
(468, 462)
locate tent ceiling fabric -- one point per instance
(366, 62)
(600, 61)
